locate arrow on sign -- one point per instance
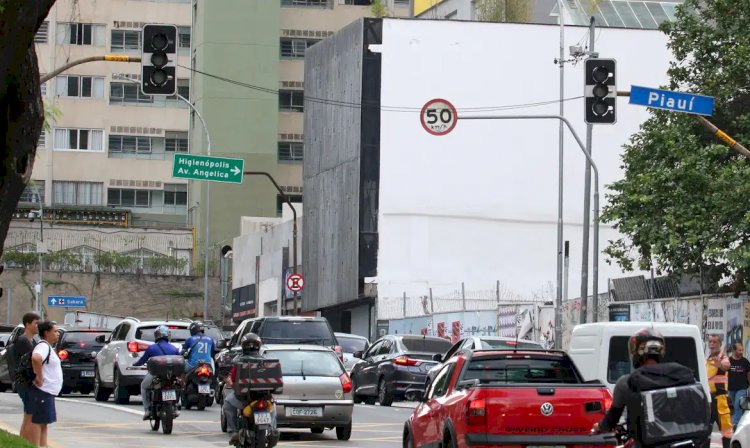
(54, 301)
(235, 170)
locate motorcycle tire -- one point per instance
(201, 405)
(166, 424)
(223, 422)
(260, 439)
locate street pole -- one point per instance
(567, 270)
(9, 294)
(560, 158)
(40, 249)
(587, 204)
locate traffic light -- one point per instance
(159, 53)
(601, 91)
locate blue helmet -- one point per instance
(161, 332)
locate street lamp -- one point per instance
(40, 249)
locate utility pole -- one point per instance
(560, 173)
(587, 202)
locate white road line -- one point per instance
(102, 405)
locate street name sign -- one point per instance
(215, 169)
(67, 301)
(675, 101)
(438, 116)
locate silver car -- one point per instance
(350, 344)
(317, 390)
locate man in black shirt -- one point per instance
(739, 381)
(24, 344)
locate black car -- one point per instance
(6, 382)
(394, 367)
(77, 349)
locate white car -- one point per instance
(350, 344)
(125, 345)
(741, 436)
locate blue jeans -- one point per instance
(146, 392)
(735, 396)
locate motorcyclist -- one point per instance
(250, 344)
(161, 347)
(647, 350)
(198, 347)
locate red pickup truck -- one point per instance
(524, 398)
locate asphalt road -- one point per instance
(84, 423)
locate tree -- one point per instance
(513, 11)
(683, 203)
(21, 108)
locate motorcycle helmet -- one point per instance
(196, 327)
(161, 332)
(646, 344)
(251, 343)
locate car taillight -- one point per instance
(135, 347)
(346, 383)
(63, 355)
(404, 361)
(607, 402)
(476, 414)
(204, 371)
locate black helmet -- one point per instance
(197, 327)
(161, 332)
(251, 343)
(646, 344)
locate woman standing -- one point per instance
(47, 383)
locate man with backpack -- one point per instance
(665, 404)
(47, 383)
(23, 346)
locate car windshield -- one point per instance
(176, 334)
(351, 345)
(521, 370)
(83, 339)
(214, 333)
(307, 363)
(488, 344)
(426, 345)
(290, 332)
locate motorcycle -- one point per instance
(622, 436)
(254, 422)
(199, 387)
(165, 390)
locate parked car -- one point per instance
(482, 343)
(77, 349)
(6, 380)
(350, 344)
(540, 395)
(741, 435)
(124, 346)
(394, 367)
(317, 390)
(4, 338)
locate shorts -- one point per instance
(22, 389)
(42, 407)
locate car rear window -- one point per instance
(176, 334)
(351, 345)
(297, 332)
(215, 334)
(679, 349)
(488, 344)
(307, 363)
(426, 345)
(490, 370)
(83, 338)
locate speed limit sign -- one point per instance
(438, 117)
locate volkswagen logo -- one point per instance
(547, 409)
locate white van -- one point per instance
(600, 350)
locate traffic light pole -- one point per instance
(108, 57)
(586, 207)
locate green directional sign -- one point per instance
(217, 169)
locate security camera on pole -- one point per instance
(159, 53)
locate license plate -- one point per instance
(204, 389)
(87, 373)
(262, 418)
(304, 412)
(168, 395)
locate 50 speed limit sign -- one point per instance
(438, 117)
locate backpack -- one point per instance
(673, 406)
(25, 371)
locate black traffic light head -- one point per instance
(159, 52)
(601, 91)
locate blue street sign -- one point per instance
(67, 301)
(675, 101)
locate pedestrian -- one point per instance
(23, 345)
(47, 383)
(739, 381)
(717, 366)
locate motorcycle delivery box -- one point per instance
(257, 375)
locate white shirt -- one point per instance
(52, 376)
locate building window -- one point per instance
(291, 151)
(183, 37)
(128, 198)
(358, 2)
(183, 89)
(401, 2)
(281, 203)
(80, 86)
(176, 141)
(77, 193)
(175, 194)
(79, 140)
(319, 3)
(130, 144)
(81, 34)
(43, 87)
(295, 48)
(127, 93)
(291, 100)
(126, 40)
(42, 143)
(42, 34)
(29, 194)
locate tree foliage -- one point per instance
(513, 11)
(683, 204)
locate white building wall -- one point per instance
(480, 204)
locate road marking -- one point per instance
(102, 405)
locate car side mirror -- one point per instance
(745, 403)
(100, 338)
(358, 354)
(420, 396)
(437, 357)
